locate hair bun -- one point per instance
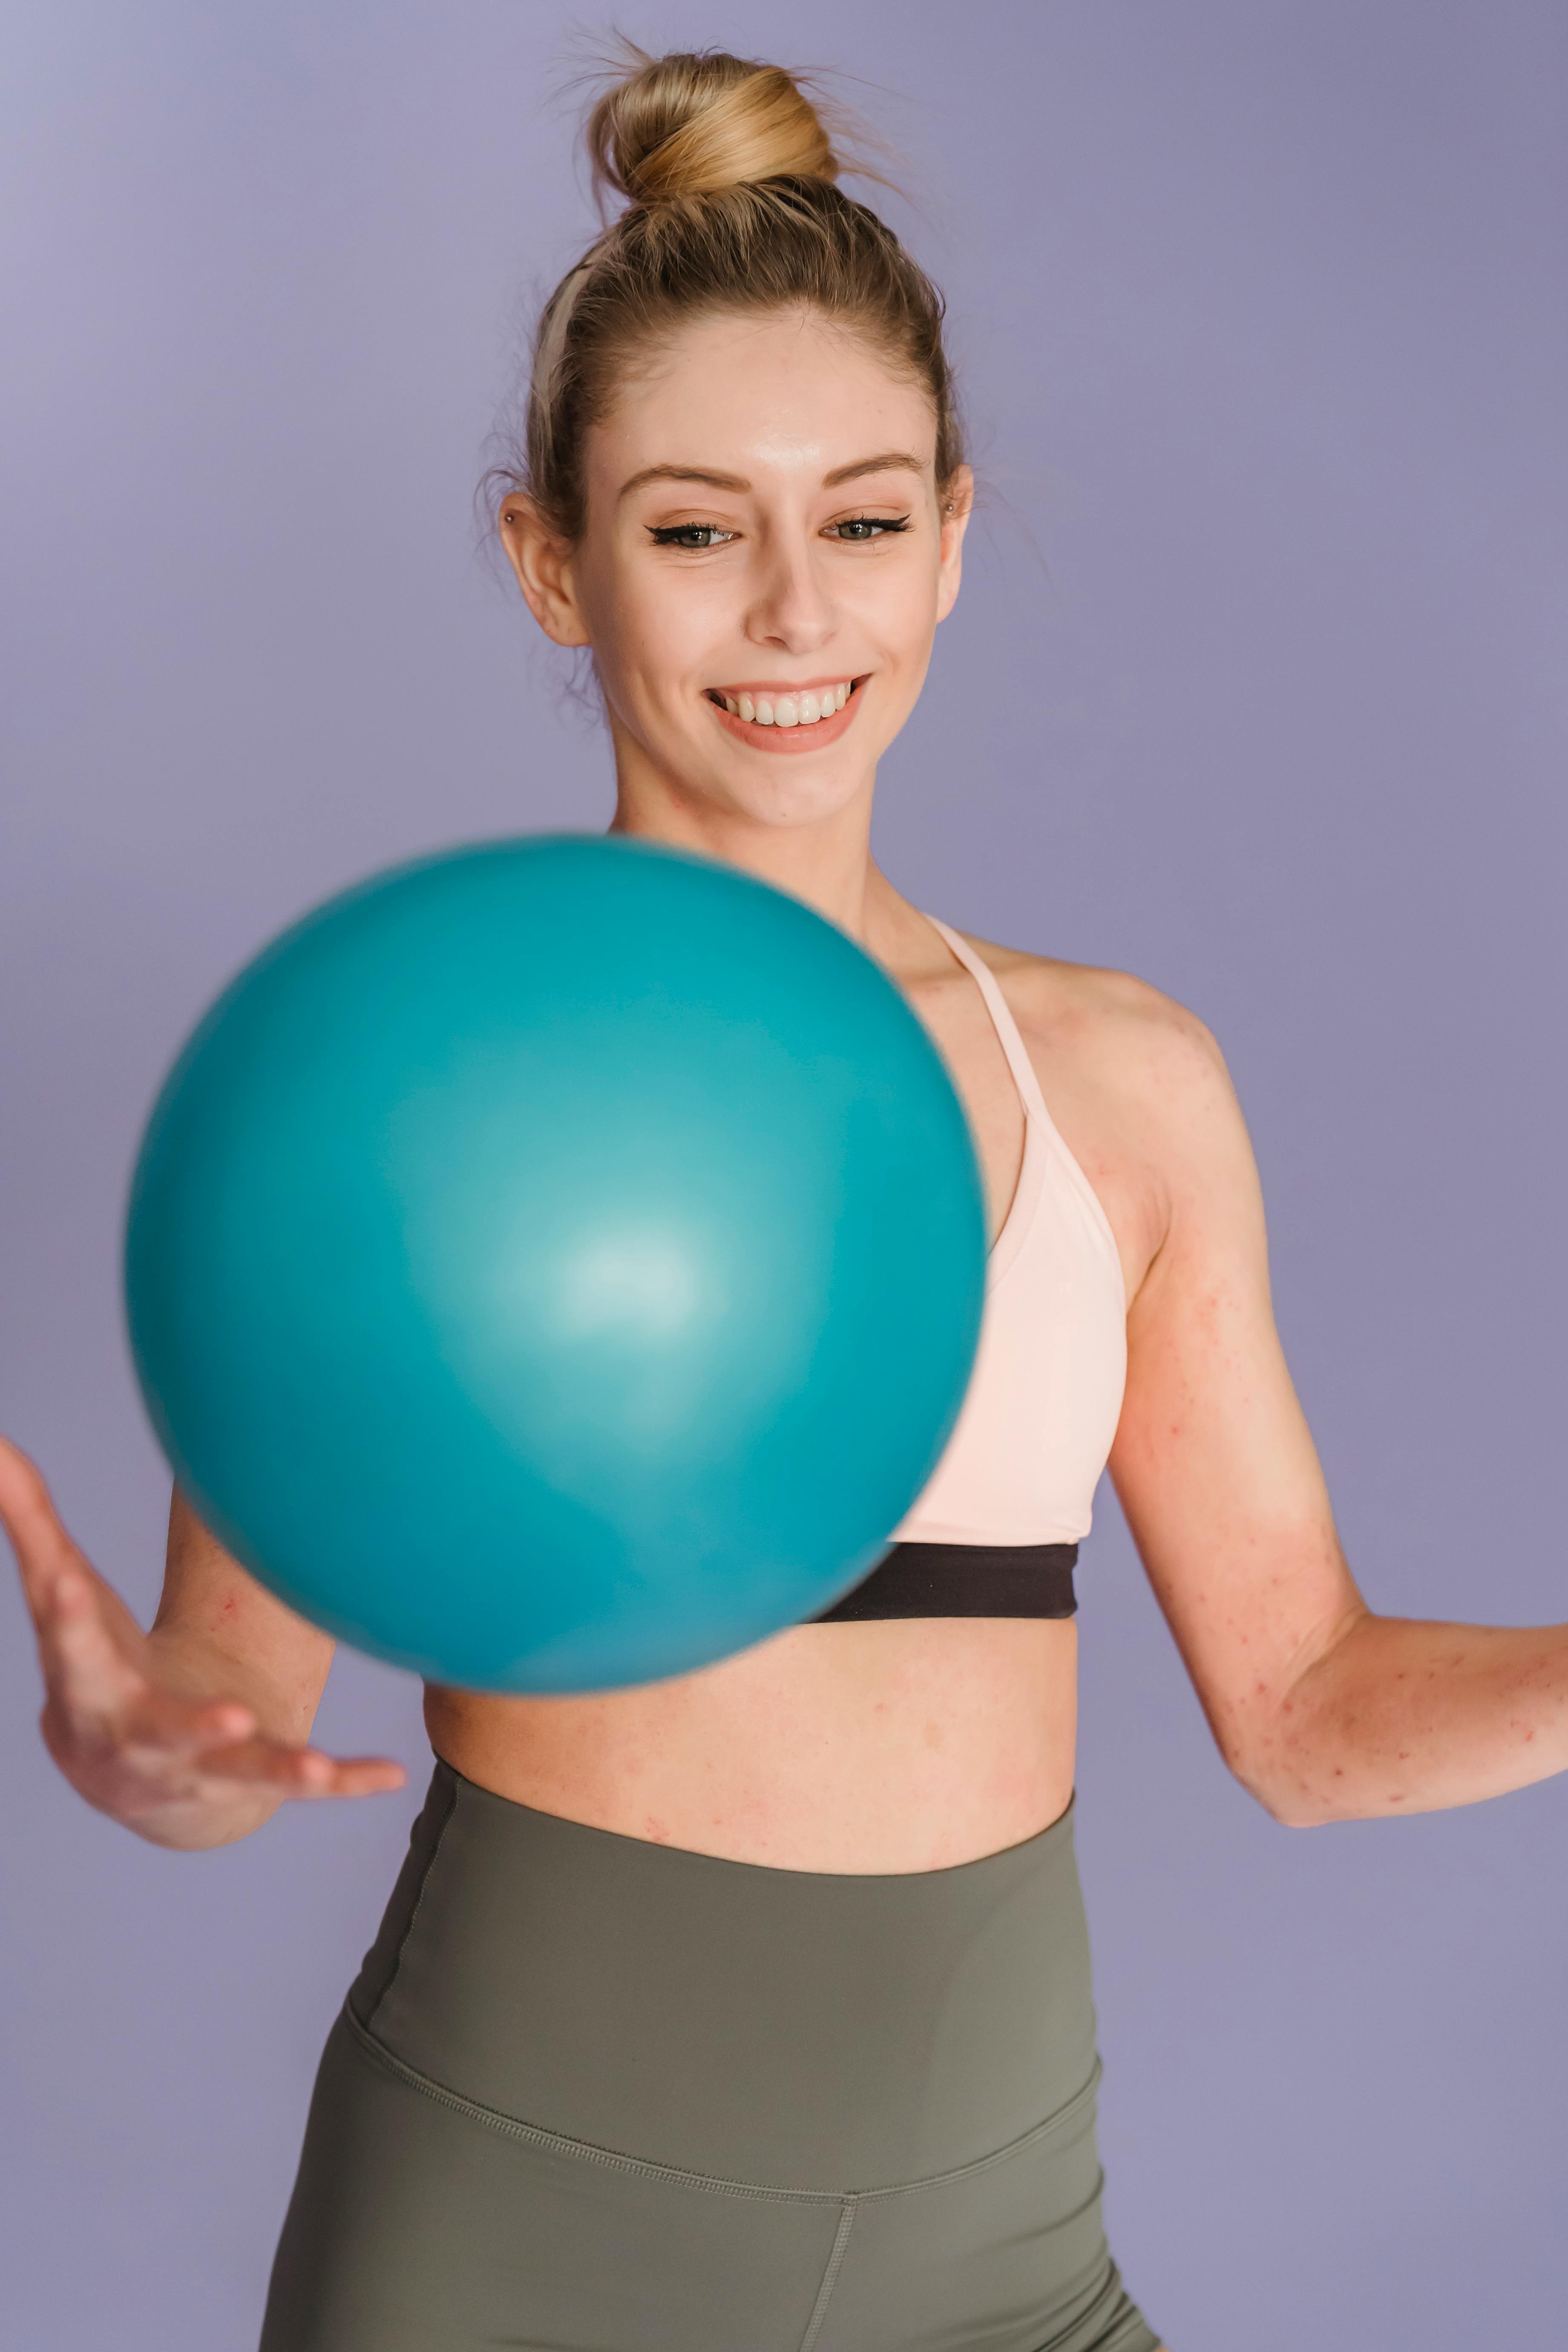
(695, 123)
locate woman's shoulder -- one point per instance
(1138, 1086)
(1116, 1024)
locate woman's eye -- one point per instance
(693, 535)
(697, 536)
(863, 527)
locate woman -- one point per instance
(750, 2008)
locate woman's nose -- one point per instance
(790, 609)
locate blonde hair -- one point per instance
(732, 204)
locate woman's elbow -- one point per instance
(1288, 1791)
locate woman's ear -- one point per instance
(543, 563)
(956, 500)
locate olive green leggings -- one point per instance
(590, 2094)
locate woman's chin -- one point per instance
(700, 779)
(795, 797)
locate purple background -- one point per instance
(1256, 687)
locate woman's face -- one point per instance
(764, 543)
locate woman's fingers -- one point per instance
(161, 1722)
(90, 1666)
(220, 1741)
(149, 1775)
(29, 1518)
(125, 1739)
(86, 1667)
(298, 1771)
(105, 1715)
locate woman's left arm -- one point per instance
(1323, 1709)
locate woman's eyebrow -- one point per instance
(888, 461)
(683, 474)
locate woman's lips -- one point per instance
(790, 734)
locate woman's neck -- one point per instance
(823, 859)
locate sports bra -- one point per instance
(994, 1532)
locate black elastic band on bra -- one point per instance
(954, 1579)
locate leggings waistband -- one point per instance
(799, 2029)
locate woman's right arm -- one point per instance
(192, 1734)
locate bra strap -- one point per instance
(1006, 1028)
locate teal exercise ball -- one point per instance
(557, 1263)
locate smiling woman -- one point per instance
(749, 571)
(751, 2007)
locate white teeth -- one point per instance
(804, 709)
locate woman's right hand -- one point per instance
(166, 1736)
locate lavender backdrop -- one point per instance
(1256, 687)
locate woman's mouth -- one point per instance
(787, 718)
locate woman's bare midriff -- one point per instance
(909, 1744)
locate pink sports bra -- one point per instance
(994, 1532)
